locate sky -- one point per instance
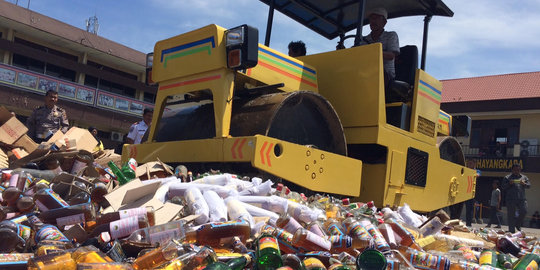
(484, 37)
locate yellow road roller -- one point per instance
(325, 122)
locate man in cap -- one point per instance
(514, 185)
(389, 39)
(48, 119)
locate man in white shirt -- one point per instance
(137, 130)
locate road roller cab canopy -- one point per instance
(333, 19)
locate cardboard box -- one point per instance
(19, 153)
(26, 143)
(12, 130)
(83, 139)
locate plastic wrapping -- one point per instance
(218, 209)
(197, 204)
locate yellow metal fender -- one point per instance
(312, 168)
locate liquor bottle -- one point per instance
(488, 257)
(371, 259)
(122, 179)
(5, 210)
(432, 226)
(13, 235)
(147, 211)
(529, 261)
(238, 210)
(215, 234)
(121, 228)
(113, 249)
(288, 223)
(341, 243)
(505, 262)
(333, 227)
(239, 263)
(307, 240)
(284, 238)
(58, 260)
(46, 231)
(268, 254)
(36, 186)
(202, 257)
(13, 191)
(507, 245)
(81, 197)
(407, 238)
(157, 256)
(312, 263)
(380, 242)
(316, 228)
(69, 215)
(216, 266)
(161, 234)
(238, 246)
(15, 260)
(324, 256)
(25, 204)
(89, 254)
(217, 207)
(98, 193)
(46, 199)
(354, 229)
(466, 265)
(197, 204)
(293, 261)
(129, 169)
(104, 266)
(338, 266)
(425, 260)
(388, 234)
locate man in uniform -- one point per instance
(137, 130)
(48, 119)
(515, 184)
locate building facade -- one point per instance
(100, 82)
(505, 113)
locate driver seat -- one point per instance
(406, 63)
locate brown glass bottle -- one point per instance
(139, 211)
(216, 234)
(407, 239)
(288, 223)
(46, 231)
(98, 193)
(309, 241)
(121, 228)
(74, 214)
(341, 243)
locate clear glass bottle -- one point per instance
(147, 211)
(161, 234)
(215, 234)
(121, 228)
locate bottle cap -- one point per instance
(346, 201)
(105, 237)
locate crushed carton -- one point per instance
(11, 129)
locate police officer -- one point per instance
(48, 119)
(514, 185)
(137, 130)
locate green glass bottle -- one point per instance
(119, 175)
(313, 263)
(240, 262)
(129, 169)
(371, 259)
(268, 254)
(505, 262)
(527, 261)
(488, 257)
(217, 266)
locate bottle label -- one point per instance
(380, 243)
(425, 260)
(164, 236)
(123, 227)
(317, 240)
(531, 265)
(284, 239)
(335, 266)
(225, 224)
(268, 242)
(359, 231)
(292, 226)
(486, 257)
(312, 263)
(139, 211)
(334, 230)
(50, 233)
(57, 198)
(340, 241)
(24, 231)
(70, 220)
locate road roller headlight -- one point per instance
(242, 45)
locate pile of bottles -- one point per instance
(227, 222)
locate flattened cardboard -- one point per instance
(12, 130)
(19, 153)
(167, 213)
(137, 193)
(116, 197)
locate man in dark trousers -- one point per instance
(515, 184)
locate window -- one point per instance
(494, 137)
(149, 97)
(109, 86)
